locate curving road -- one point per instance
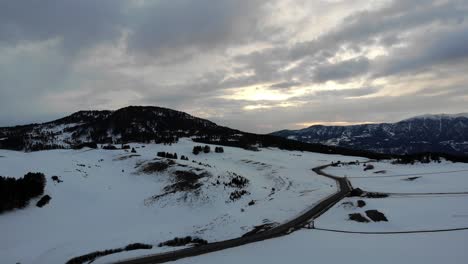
(344, 188)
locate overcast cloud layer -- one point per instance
(254, 65)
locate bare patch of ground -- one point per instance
(126, 157)
(156, 166)
(184, 182)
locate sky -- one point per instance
(258, 66)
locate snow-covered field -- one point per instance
(104, 201)
(404, 212)
(313, 246)
(422, 197)
(107, 201)
(397, 178)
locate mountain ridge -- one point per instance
(151, 124)
(427, 133)
(146, 124)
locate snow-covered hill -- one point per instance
(427, 133)
(111, 198)
(134, 123)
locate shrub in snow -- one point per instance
(237, 181)
(136, 246)
(411, 178)
(167, 155)
(56, 179)
(361, 203)
(219, 150)
(125, 146)
(92, 145)
(43, 201)
(206, 149)
(197, 150)
(235, 195)
(358, 218)
(109, 147)
(182, 241)
(376, 216)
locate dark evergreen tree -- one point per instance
(206, 149)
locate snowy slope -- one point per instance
(422, 196)
(404, 212)
(313, 246)
(399, 178)
(105, 200)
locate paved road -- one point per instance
(344, 188)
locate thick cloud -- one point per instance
(200, 25)
(439, 48)
(78, 23)
(255, 65)
(342, 70)
(285, 85)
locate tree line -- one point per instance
(16, 193)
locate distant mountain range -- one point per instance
(145, 124)
(428, 133)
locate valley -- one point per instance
(108, 199)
